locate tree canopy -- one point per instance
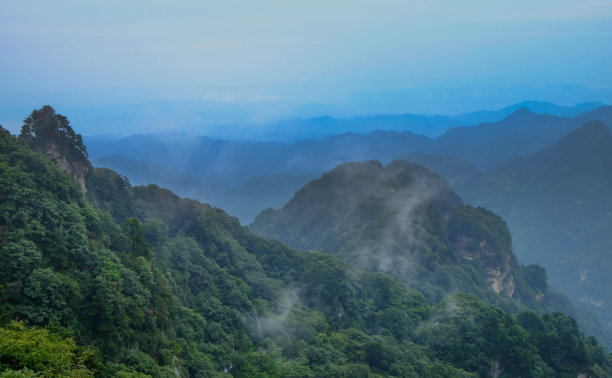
(165, 286)
(44, 126)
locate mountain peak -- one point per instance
(594, 129)
(351, 196)
(521, 112)
(593, 133)
(586, 147)
(50, 133)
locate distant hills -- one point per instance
(521, 133)
(432, 126)
(537, 107)
(113, 280)
(205, 164)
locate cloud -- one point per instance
(276, 324)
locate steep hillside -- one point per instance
(559, 210)
(404, 220)
(135, 281)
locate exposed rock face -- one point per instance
(50, 133)
(77, 169)
(497, 267)
(495, 370)
(404, 220)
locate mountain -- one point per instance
(404, 220)
(233, 163)
(522, 133)
(559, 210)
(537, 107)
(432, 126)
(224, 173)
(228, 165)
(456, 171)
(244, 202)
(135, 281)
(291, 130)
(142, 173)
(489, 144)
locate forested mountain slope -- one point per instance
(559, 209)
(135, 281)
(405, 220)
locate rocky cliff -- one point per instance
(50, 133)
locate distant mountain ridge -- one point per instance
(323, 126)
(537, 107)
(428, 125)
(486, 145)
(231, 164)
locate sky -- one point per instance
(137, 66)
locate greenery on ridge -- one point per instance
(404, 220)
(558, 207)
(135, 281)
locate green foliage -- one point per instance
(138, 246)
(156, 284)
(107, 190)
(479, 224)
(404, 220)
(557, 205)
(31, 352)
(44, 127)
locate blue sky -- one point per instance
(150, 65)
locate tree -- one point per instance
(45, 127)
(138, 245)
(26, 351)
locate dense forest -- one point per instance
(107, 279)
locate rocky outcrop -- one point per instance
(77, 169)
(496, 266)
(49, 133)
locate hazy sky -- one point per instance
(137, 65)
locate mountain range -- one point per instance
(549, 217)
(205, 164)
(115, 280)
(432, 126)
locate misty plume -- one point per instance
(265, 326)
(395, 249)
(444, 310)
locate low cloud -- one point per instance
(276, 324)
